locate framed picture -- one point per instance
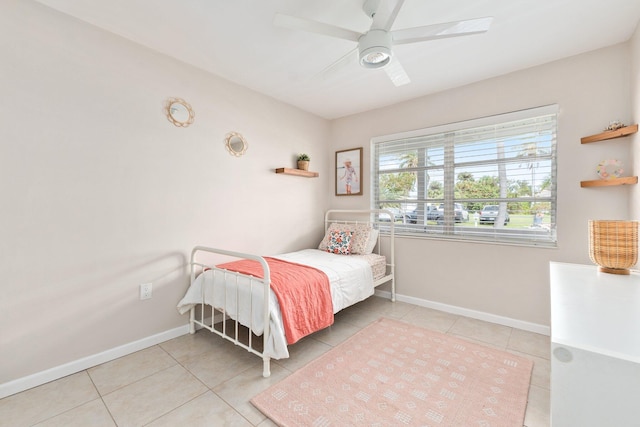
(349, 172)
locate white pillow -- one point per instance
(359, 239)
(371, 243)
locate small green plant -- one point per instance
(304, 157)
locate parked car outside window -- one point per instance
(431, 213)
(460, 213)
(397, 215)
(489, 213)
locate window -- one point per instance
(491, 179)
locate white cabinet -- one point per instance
(595, 347)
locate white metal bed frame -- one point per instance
(218, 315)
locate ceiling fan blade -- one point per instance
(396, 73)
(386, 14)
(346, 59)
(441, 31)
(294, 23)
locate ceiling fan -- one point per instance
(375, 46)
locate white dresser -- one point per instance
(595, 347)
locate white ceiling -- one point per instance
(236, 39)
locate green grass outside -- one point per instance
(515, 221)
(519, 221)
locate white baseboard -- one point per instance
(25, 383)
(480, 315)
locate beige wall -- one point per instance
(590, 89)
(100, 193)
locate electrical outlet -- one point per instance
(145, 290)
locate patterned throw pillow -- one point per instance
(359, 238)
(340, 242)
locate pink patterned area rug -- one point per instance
(392, 373)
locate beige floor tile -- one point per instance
(203, 411)
(303, 352)
(148, 399)
(189, 345)
(267, 423)
(220, 363)
(371, 310)
(431, 319)
(384, 307)
(239, 390)
(336, 333)
(530, 343)
(486, 332)
(46, 401)
(126, 370)
(538, 408)
(93, 414)
(357, 318)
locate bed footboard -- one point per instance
(229, 302)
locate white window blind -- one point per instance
(491, 179)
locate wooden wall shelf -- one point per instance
(610, 182)
(297, 172)
(610, 134)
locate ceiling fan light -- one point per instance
(375, 57)
(374, 49)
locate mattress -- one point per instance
(377, 262)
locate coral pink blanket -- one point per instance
(303, 293)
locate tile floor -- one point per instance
(202, 380)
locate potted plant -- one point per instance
(303, 161)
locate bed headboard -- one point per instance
(380, 219)
(375, 217)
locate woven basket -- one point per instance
(613, 245)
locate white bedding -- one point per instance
(350, 279)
